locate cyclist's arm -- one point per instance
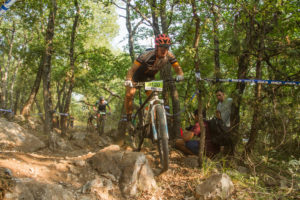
(175, 64)
(132, 70)
(108, 107)
(177, 68)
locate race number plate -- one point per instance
(154, 85)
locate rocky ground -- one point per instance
(86, 166)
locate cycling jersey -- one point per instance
(101, 107)
(149, 64)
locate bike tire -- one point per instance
(162, 136)
(137, 134)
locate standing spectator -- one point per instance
(223, 108)
(220, 125)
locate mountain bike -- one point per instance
(150, 121)
(101, 117)
(90, 123)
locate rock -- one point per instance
(31, 190)
(80, 163)
(79, 135)
(136, 174)
(191, 161)
(218, 186)
(131, 169)
(19, 118)
(13, 136)
(111, 148)
(99, 186)
(56, 142)
(104, 141)
(242, 170)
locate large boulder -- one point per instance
(131, 169)
(15, 137)
(102, 187)
(30, 190)
(218, 186)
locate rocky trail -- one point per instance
(86, 166)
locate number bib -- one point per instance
(154, 85)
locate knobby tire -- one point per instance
(162, 135)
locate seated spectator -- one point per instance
(189, 144)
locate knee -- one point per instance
(179, 143)
(129, 96)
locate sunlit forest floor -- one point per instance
(253, 178)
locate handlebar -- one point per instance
(141, 84)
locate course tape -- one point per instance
(6, 6)
(270, 82)
(64, 114)
(5, 110)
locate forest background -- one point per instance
(58, 56)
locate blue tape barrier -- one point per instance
(64, 114)
(40, 114)
(6, 6)
(5, 110)
(270, 82)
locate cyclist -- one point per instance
(101, 105)
(147, 65)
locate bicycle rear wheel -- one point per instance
(162, 136)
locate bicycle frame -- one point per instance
(154, 101)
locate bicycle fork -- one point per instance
(153, 122)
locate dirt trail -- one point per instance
(68, 167)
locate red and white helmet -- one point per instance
(162, 40)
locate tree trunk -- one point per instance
(34, 90)
(216, 41)
(40, 111)
(129, 29)
(170, 87)
(198, 84)
(12, 85)
(4, 81)
(71, 79)
(155, 26)
(243, 65)
(17, 98)
(257, 105)
(47, 68)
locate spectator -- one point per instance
(220, 125)
(223, 108)
(189, 143)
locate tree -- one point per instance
(47, 67)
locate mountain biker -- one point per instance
(101, 112)
(101, 105)
(147, 65)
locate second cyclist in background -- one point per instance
(100, 106)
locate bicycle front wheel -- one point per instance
(162, 136)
